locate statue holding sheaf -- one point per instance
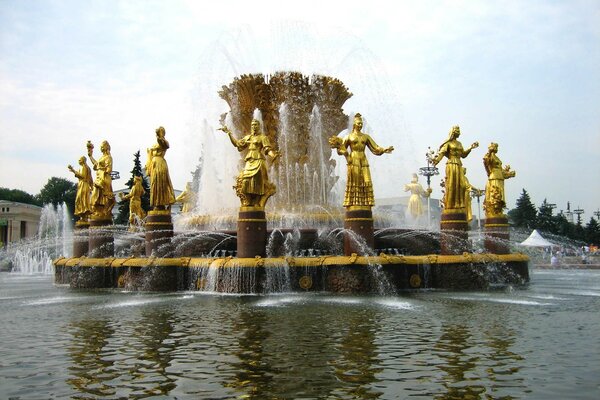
(495, 201)
(252, 184)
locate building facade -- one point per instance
(18, 221)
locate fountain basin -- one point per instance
(342, 274)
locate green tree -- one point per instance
(123, 214)
(58, 190)
(524, 214)
(545, 220)
(18, 196)
(563, 226)
(592, 232)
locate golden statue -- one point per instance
(252, 185)
(454, 193)
(468, 188)
(136, 212)
(359, 187)
(187, 198)
(415, 204)
(103, 199)
(83, 204)
(161, 189)
(495, 201)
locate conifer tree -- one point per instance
(123, 215)
(545, 220)
(592, 232)
(524, 214)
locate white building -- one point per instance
(18, 221)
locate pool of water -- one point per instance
(542, 342)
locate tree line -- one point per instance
(527, 215)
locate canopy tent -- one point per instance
(536, 240)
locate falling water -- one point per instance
(53, 240)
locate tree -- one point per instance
(592, 232)
(58, 190)
(18, 196)
(563, 226)
(524, 214)
(545, 220)
(123, 214)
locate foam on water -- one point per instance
(51, 300)
(342, 300)
(500, 300)
(132, 303)
(397, 304)
(279, 301)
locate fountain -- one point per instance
(290, 233)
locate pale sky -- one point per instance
(525, 74)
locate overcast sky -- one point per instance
(525, 74)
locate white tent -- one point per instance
(536, 240)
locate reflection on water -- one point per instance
(537, 343)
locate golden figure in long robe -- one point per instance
(136, 212)
(359, 186)
(252, 185)
(415, 204)
(187, 198)
(495, 200)
(103, 198)
(454, 189)
(83, 204)
(161, 188)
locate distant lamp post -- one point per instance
(478, 193)
(578, 212)
(552, 206)
(429, 171)
(568, 213)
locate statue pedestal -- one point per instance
(81, 240)
(251, 232)
(360, 223)
(159, 232)
(497, 236)
(454, 232)
(101, 241)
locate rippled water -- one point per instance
(538, 343)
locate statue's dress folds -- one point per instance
(102, 194)
(359, 186)
(455, 182)
(83, 203)
(161, 188)
(253, 178)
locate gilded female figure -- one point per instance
(187, 198)
(83, 205)
(495, 200)
(136, 212)
(161, 189)
(359, 186)
(252, 185)
(452, 149)
(415, 204)
(103, 198)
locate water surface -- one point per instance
(542, 342)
